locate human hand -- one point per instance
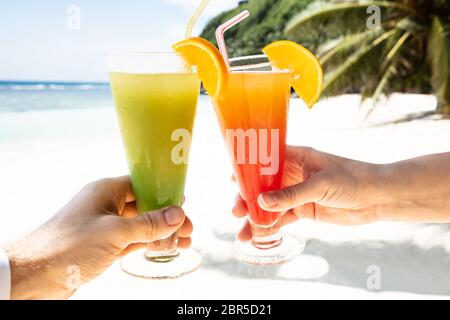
(320, 186)
(96, 227)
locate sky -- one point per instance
(67, 40)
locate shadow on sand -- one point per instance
(403, 266)
(426, 115)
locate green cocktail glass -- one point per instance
(156, 98)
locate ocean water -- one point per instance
(55, 111)
(25, 96)
(29, 96)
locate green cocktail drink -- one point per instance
(156, 99)
(156, 115)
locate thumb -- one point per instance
(312, 190)
(155, 225)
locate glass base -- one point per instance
(284, 250)
(139, 265)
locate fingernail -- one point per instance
(173, 216)
(268, 200)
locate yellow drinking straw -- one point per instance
(193, 20)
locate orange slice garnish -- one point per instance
(210, 64)
(305, 67)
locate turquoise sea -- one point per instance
(38, 111)
(23, 96)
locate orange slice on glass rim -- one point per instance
(305, 67)
(210, 64)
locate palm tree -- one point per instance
(407, 51)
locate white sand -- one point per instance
(45, 157)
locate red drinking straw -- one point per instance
(220, 33)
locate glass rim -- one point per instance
(254, 56)
(146, 62)
(249, 68)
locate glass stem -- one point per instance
(266, 237)
(164, 250)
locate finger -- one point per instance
(311, 190)
(297, 152)
(121, 187)
(246, 233)
(345, 217)
(130, 210)
(129, 193)
(240, 207)
(152, 226)
(112, 194)
(184, 243)
(306, 211)
(288, 218)
(186, 228)
(132, 247)
(314, 158)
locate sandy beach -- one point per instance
(47, 156)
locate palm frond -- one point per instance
(403, 25)
(344, 16)
(337, 50)
(438, 57)
(389, 65)
(395, 50)
(353, 62)
(384, 81)
(389, 72)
